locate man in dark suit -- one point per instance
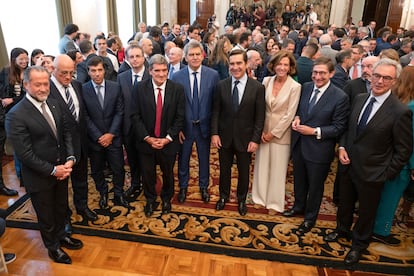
(128, 81)
(159, 117)
(344, 63)
(236, 126)
(320, 120)
(40, 134)
(105, 108)
(377, 144)
(68, 93)
(196, 78)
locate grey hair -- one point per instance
(28, 71)
(389, 62)
(191, 45)
(157, 59)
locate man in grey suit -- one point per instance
(377, 144)
(196, 78)
(326, 51)
(236, 126)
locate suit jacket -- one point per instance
(330, 114)
(341, 77)
(82, 69)
(304, 67)
(380, 151)
(127, 88)
(173, 115)
(103, 120)
(246, 124)
(336, 45)
(35, 144)
(78, 128)
(355, 87)
(328, 52)
(124, 67)
(208, 81)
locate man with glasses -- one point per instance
(320, 120)
(376, 146)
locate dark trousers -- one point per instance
(203, 153)
(309, 180)
(79, 178)
(133, 160)
(115, 157)
(51, 208)
(226, 156)
(2, 142)
(370, 195)
(166, 162)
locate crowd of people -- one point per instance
(286, 90)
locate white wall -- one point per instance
(90, 16)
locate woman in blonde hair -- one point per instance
(272, 158)
(218, 59)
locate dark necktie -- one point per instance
(100, 96)
(136, 79)
(170, 74)
(195, 105)
(365, 115)
(236, 96)
(158, 114)
(312, 102)
(69, 102)
(48, 118)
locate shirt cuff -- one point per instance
(54, 171)
(318, 133)
(169, 137)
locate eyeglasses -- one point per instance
(322, 73)
(385, 79)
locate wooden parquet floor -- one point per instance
(101, 256)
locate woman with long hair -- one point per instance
(218, 59)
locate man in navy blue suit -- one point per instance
(320, 119)
(105, 108)
(199, 79)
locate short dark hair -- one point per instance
(71, 28)
(342, 55)
(95, 61)
(325, 61)
(155, 31)
(239, 52)
(85, 46)
(339, 32)
(110, 41)
(244, 37)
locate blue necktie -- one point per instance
(312, 102)
(195, 106)
(135, 79)
(236, 96)
(364, 118)
(170, 74)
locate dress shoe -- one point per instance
(352, 257)
(71, 243)
(103, 201)
(182, 195)
(88, 214)
(121, 201)
(388, 240)
(59, 256)
(205, 196)
(291, 213)
(305, 227)
(335, 235)
(220, 204)
(149, 209)
(242, 208)
(9, 257)
(133, 191)
(166, 207)
(7, 192)
(68, 228)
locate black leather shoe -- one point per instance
(68, 228)
(7, 192)
(149, 209)
(205, 196)
(388, 240)
(103, 201)
(352, 257)
(59, 256)
(305, 227)
(121, 201)
(291, 213)
(220, 204)
(242, 208)
(166, 207)
(88, 214)
(71, 243)
(335, 235)
(133, 191)
(182, 195)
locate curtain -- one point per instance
(144, 10)
(111, 15)
(408, 13)
(136, 14)
(4, 57)
(64, 14)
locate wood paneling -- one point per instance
(204, 10)
(183, 11)
(394, 14)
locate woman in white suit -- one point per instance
(272, 157)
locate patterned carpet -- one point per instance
(261, 234)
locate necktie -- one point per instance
(136, 79)
(236, 96)
(170, 74)
(195, 105)
(69, 102)
(100, 95)
(355, 72)
(312, 102)
(158, 114)
(48, 118)
(365, 115)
